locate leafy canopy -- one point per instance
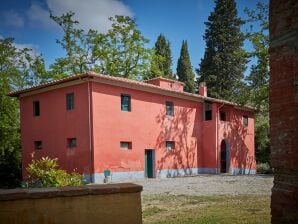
(119, 52)
(257, 89)
(19, 68)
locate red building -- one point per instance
(135, 129)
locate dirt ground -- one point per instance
(208, 185)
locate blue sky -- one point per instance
(28, 22)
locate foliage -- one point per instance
(223, 64)
(161, 61)
(19, 68)
(119, 52)
(257, 91)
(74, 43)
(45, 173)
(263, 168)
(184, 69)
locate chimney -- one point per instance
(203, 89)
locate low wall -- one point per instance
(110, 203)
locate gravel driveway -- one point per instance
(209, 185)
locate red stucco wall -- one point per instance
(147, 126)
(239, 138)
(54, 126)
(197, 142)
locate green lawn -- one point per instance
(206, 209)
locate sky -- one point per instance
(28, 22)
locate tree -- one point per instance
(19, 68)
(258, 78)
(74, 42)
(162, 59)
(223, 64)
(119, 52)
(123, 52)
(10, 146)
(184, 69)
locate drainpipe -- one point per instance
(217, 137)
(90, 132)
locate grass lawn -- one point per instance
(206, 209)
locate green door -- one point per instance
(149, 164)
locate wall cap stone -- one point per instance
(94, 189)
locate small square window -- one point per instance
(36, 108)
(125, 102)
(69, 101)
(72, 142)
(38, 145)
(169, 108)
(125, 145)
(170, 145)
(222, 116)
(245, 121)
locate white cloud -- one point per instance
(39, 17)
(12, 18)
(90, 13)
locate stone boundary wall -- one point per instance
(109, 203)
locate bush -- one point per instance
(10, 168)
(264, 168)
(45, 173)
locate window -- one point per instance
(36, 108)
(169, 108)
(245, 121)
(222, 116)
(38, 145)
(170, 145)
(72, 142)
(69, 101)
(125, 145)
(208, 111)
(125, 102)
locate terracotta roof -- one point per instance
(129, 83)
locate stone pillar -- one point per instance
(284, 109)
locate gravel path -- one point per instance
(209, 185)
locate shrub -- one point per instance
(264, 168)
(46, 173)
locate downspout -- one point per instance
(90, 132)
(217, 138)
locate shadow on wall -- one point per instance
(241, 161)
(181, 129)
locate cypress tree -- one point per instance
(184, 69)
(224, 60)
(162, 59)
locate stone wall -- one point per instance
(111, 203)
(284, 109)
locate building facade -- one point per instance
(131, 129)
